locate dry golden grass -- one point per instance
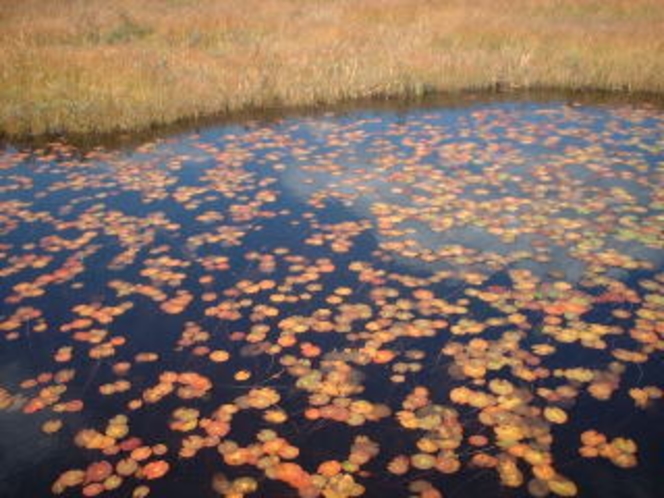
(95, 65)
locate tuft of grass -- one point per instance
(96, 66)
(127, 30)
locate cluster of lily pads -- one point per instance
(335, 307)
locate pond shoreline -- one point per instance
(120, 138)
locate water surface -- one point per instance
(372, 303)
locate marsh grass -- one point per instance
(93, 65)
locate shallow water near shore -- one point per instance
(374, 303)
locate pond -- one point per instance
(437, 301)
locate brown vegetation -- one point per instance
(93, 65)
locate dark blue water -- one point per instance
(524, 239)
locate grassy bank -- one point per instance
(94, 65)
